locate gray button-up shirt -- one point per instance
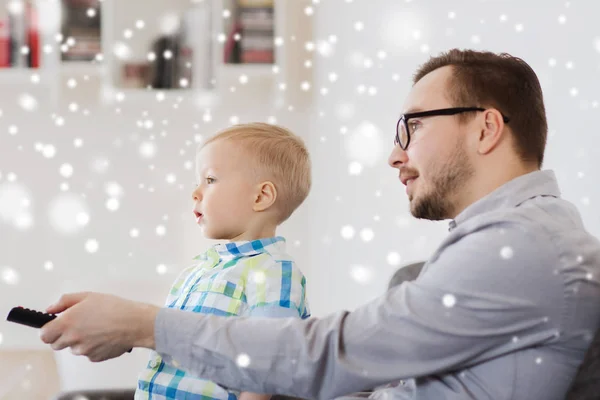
(504, 309)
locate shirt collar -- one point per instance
(247, 248)
(512, 194)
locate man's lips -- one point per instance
(406, 178)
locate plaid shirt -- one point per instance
(250, 278)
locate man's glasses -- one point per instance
(404, 130)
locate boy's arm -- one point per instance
(253, 396)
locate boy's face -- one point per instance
(224, 195)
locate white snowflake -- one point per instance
(367, 234)
(147, 149)
(506, 252)
(112, 204)
(355, 168)
(161, 269)
(10, 276)
(394, 259)
(449, 300)
(66, 170)
(365, 145)
(28, 102)
(258, 277)
(113, 189)
(92, 246)
(360, 274)
(347, 232)
(243, 360)
(171, 178)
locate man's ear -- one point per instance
(491, 131)
(265, 196)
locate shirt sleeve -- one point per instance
(470, 303)
(276, 289)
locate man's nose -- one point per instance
(398, 157)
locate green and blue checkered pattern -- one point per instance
(230, 279)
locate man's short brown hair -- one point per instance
(503, 82)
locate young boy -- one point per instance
(251, 178)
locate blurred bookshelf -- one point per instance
(21, 54)
(249, 32)
(81, 29)
(138, 48)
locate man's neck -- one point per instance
(481, 185)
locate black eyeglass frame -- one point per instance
(404, 118)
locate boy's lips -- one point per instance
(198, 216)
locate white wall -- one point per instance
(354, 121)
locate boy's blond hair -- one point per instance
(279, 156)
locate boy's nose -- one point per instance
(196, 196)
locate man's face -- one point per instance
(436, 165)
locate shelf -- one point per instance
(250, 69)
(82, 68)
(23, 76)
(158, 97)
(235, 74)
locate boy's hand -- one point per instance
(99, 326)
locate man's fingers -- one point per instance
(66, 301)
(60, 344)
(50, 332)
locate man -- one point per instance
(504, 309)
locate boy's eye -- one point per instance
(210, 180)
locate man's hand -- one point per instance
(99, 326)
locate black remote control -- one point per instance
(35, 319)
(25, 316)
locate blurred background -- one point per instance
(103, 103)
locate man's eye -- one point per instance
(414, 125)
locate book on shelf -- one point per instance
(81, 30)
(251, 38)
(19, 36)
(182, 59)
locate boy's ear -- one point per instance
(265, 196)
